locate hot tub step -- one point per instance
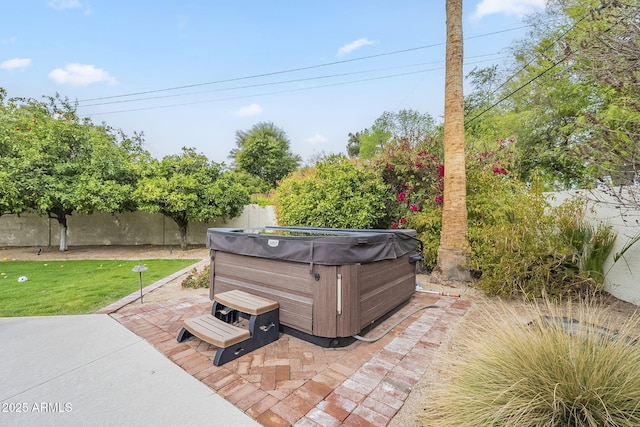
(214, 331)
(245, 302)
(232, 341)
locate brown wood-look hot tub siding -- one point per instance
(369, 291)
(288, 283)
(383, 286)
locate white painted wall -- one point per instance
(622, 278)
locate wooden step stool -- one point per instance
(220, 327)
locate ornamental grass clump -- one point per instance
(545, 366)
(197, 279)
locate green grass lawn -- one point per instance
(74, 287)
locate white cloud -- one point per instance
(65, 4)
(348, 48)
(249, 110)
(81, 75)
(69, 4)
(317, 139)
(12, 64)
(509, 7)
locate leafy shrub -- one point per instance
(414, 176)
(591, 245)
(197, 279)
(261, 200)
(565, 369)
(335, 193)
(518, 242)
(542, 250)
(523, 254)
(252, 183)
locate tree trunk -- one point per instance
(62, 221)
(63, 238)
(183, 237)
(453, 253)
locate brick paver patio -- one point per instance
(293, 382)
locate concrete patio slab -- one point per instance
(89, 370)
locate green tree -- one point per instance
(264, 151)
(188, 187)
(410, 125)
(336, 193)
(487, 119)
(251, 183)
(11, 201)
(353, 144)
(607, 56)
(372, 142)
(571, 102)
(407, 126)
(59, 164)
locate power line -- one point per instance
(256, 85)
(265, 94)
(293, 70)
(277, 83)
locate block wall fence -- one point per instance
(131, 228)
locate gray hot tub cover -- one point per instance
(326, 246)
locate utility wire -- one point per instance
(266, 93)
(310, 67)
(120, 101)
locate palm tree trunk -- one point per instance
(453, 253)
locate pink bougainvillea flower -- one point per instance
(394, 225)
(413, 207)
(499, 171)
(403, 220)
(439, 199)
(440, 171)
(390, 166)
(419, 165)
(402, 196)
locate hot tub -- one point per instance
(329, 283)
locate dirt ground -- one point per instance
(451, 349)
(101, 252)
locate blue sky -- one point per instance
(192, 73)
